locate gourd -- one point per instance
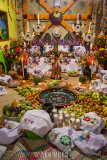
(37, 80)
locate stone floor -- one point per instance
(12, 94)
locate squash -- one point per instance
(82, 79)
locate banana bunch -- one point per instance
(105, 111)
(105, 121)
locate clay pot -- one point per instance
(20, 71)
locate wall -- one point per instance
(12, 24)
(34, 8)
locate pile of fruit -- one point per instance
(18, 108)
(89, 102)
(75, 108)
(73, 73)
(33, 98)
(59, 83)
(25, 90)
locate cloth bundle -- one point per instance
(36, 121)
(8, 136)
(92, 122)
(65, 139)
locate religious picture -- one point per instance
(56, 3)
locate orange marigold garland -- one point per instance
(17, 12)
(68, 6)
(45, 6)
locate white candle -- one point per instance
(90, 26)
(54, 111)
(22, 66)
(91, 46)
(24, 46)
(77, 122)
(78, 17)
(72, 121)
(66, 117)
(38, 18)
(72, 115)
(60, 112)
(60, 119)
(55, 118)
(28, 25)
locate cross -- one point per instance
(55, 17)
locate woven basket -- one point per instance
(73, 75)
(58, 86)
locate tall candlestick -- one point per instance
(78, 17)
(90, 26)
(38, 18)
(28, 25)
(22, 66)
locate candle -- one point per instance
(55, 116)
(66, 117)
(77, 122)
(28, 25)
(22, 66)
(23, 81)
(72, 115)
(72, 121)
(54, 111)
(79, 84)
(91, 46)
(78, 17)
(38, 18)
(60, 112)
(60, 119)
(90, 26)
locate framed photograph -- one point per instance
(56, 3)
(4, 31)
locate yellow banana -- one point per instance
(105, 113)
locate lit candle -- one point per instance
(72, 122)
(79, 84)
(72, 115)
(23, 81)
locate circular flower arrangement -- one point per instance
(65, 140)
(87, 119)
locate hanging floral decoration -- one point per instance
(17, 12)
(55, 17)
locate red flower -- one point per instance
(17, 50)
(87, 119)
(5, 47)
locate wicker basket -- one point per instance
(58, 86)
(73, 74)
